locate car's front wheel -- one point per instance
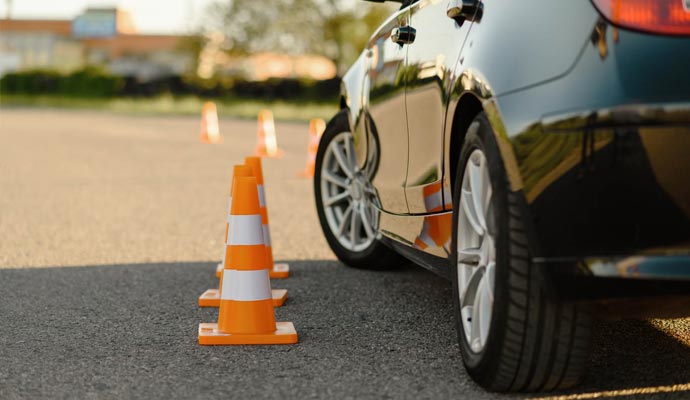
(345, 201)
(513, 335)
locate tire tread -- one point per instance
(544, 343)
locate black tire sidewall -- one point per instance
(481, 137)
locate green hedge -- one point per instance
(87, 82)
(273, 88)
(95, 83)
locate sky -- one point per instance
(150, 16)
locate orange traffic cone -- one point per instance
(281, 270)
(246, 313)
(211, 297)
(316, 128)
(266, 141)
(437, 229)
(210, 132)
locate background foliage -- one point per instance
(94, 83)
(336, 29)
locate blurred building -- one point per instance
(99, 36)
(107, 37)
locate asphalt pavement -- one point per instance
(111, 226)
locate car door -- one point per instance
(384, 86)
(431, 58)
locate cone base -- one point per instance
(211, 298)
(210, 335)
(219, 270)
(210, 139)
(279, 271)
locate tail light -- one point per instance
(670, 17)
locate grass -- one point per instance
(169, 105)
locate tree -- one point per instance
(287, 26)
(347, 32)
(325, 27)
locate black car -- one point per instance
(537, 154)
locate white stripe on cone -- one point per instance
(425, 238)
(262, 196)
(246, 285)
(433, 201)
(212, 128)
(267, 235)
(245, 230)
(447, 196)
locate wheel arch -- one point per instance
(342, 102)
(466, 109)
(468, 105)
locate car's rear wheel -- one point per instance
(345, 201)
(513, 335)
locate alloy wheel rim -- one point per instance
(476, 262)
(346, 196)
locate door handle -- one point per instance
(403, 35)
(461, 10)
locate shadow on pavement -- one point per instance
(129, 331)
(634, 358)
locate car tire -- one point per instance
(532, 341)
(373, 254)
